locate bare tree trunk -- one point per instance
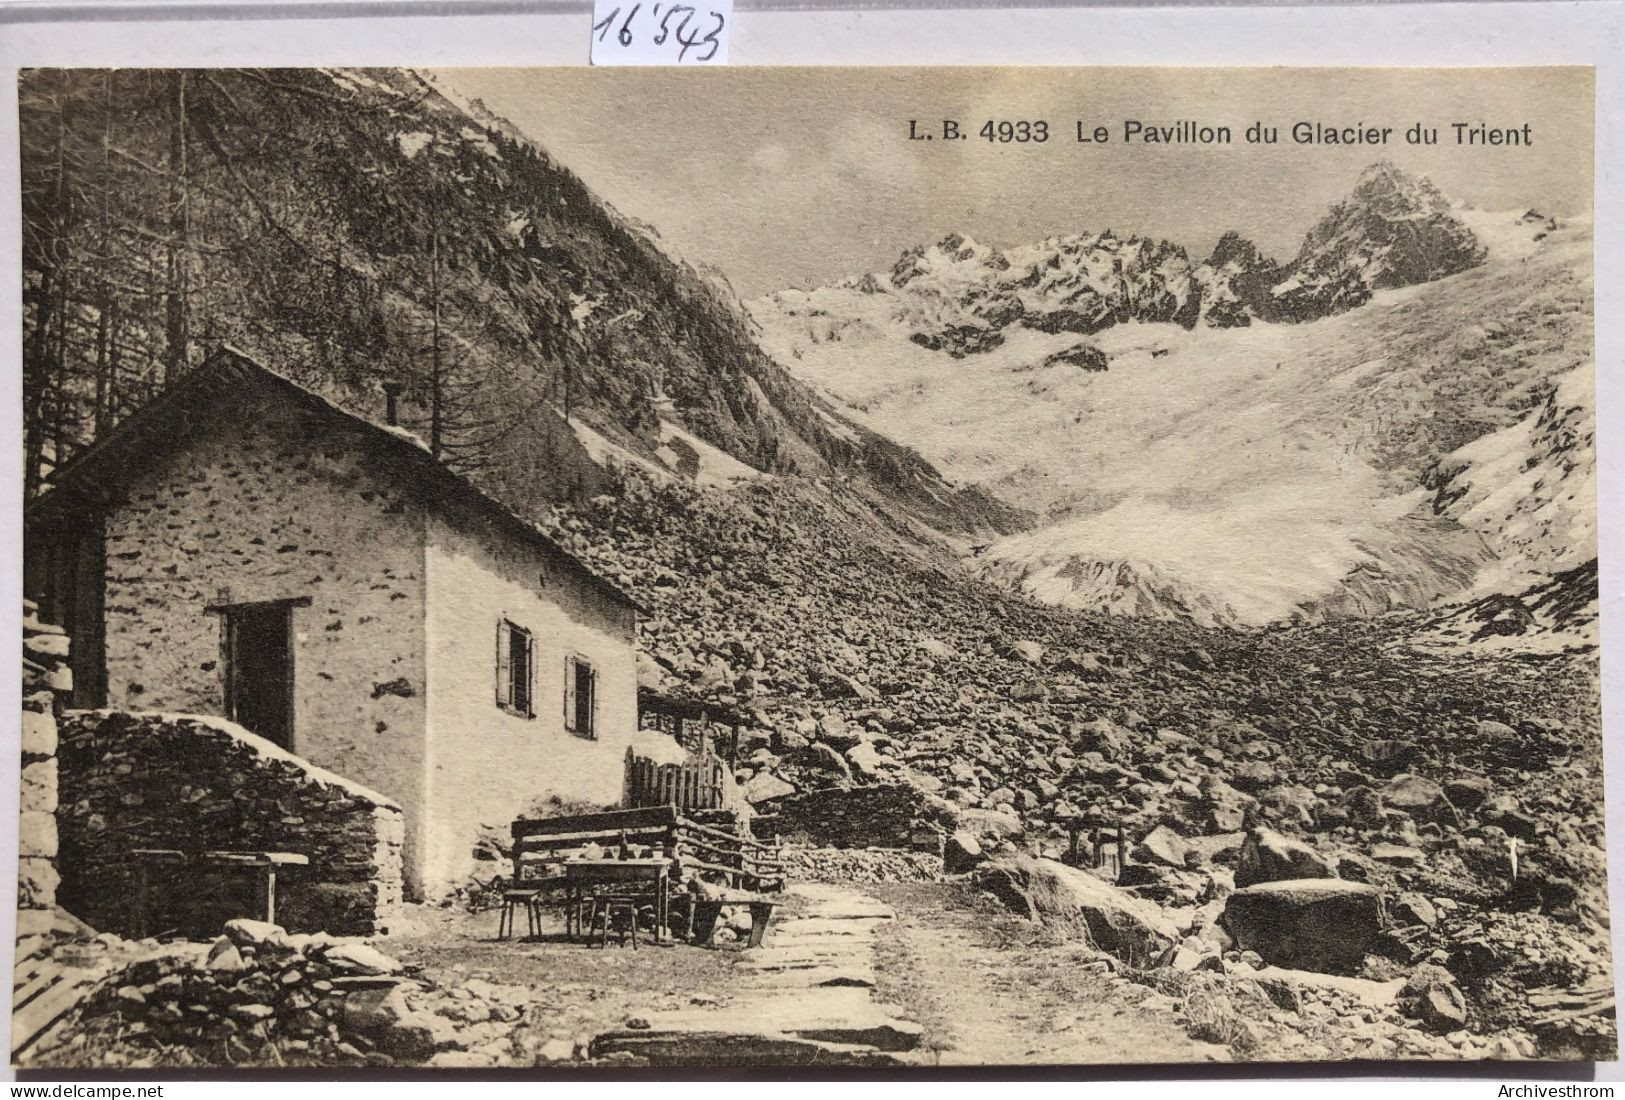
(37, 379)
(437, 394)
(40, 372)
(175, 327)
(104, 302)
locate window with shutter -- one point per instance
(520, 668)
(504, 664)
(580, 697)
(570, 694)
(516, 669)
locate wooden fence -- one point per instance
(695, 785)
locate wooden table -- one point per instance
(264, 864)
(587, 873)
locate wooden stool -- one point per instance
(513, 899)
(604, 908)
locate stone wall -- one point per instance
(47, 682)
(882, 816)
(270, 502)
(860, 865)
(133, 780)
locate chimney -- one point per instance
(392, 390)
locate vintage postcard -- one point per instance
(808, 567)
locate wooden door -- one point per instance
(259, 670)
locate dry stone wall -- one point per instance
(131, 780)
(892, 815)
(47, 682)
(860, 865)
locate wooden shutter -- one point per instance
(504, 666)
(592, 713)
(530, 676)
(570, 694)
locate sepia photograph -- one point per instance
(808, 567)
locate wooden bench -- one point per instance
(704, 912)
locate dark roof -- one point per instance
(154, 427)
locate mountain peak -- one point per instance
(951, 254)
(1393, 230)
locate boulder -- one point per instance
(251, 933)
(764, 787)
(1397, 855)
(1320, 924)
(836, 732)
(1389, 755)
(356, 957)
(1363, 806)
(1411, 908)
(1252, 775)
(225, 958)
(994, 825)
(384, 1017)
(789, 740)
(1085, 666)
(865, 761)
(1291, 804)
(1162, 845)
(961, 852)
(1128, 927)
(1198, 659)
(1226, 807)
(1422, 798)
(1101, 735)
(820, 756)
(1468, 792)
(1269, 856)
(1029, 691)
(1506, 813)
(1024, 649)
(1430, 995)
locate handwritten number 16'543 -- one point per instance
(687, 39)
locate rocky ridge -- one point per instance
(961, 297)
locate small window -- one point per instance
(580, 697)
(516, 669)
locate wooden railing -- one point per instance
(733, 860)
(696, 785)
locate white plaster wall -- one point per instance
(485, 765)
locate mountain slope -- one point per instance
(354, 227)
(1249, 474)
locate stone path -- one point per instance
(806, 996)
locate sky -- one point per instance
(787, 177)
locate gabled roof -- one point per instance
(162, 422)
